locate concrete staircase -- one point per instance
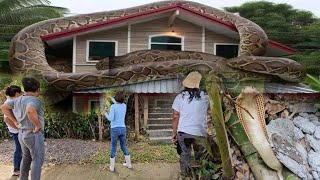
(159, 125)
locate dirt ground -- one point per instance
(139, 171)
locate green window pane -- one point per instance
(101, 50)
(166, 39)
(166, 47)
(94, 106)
(227, 51)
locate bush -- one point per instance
(71, 125)
(64, 125)
(4, 133)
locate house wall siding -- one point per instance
(213, 37)
(140, 33)
(118, 34)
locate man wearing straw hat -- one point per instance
(190, 109)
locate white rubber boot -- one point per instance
(112, 162)
(128, 162)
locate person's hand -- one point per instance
(174, 138)
(36, 129)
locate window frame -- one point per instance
(99, 40)
(89, 104)
(159, 35)
(215, 47)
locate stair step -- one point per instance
(159, 126)
(160, 118)
(160, 121)
(160, 110)
(160, 115)
(166, 105)
(159, 133)
(161, 140)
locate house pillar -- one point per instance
(145, 111)
(136, 115)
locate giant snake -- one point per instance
(27, 53)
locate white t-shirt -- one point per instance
(11, 129)
(193, 115)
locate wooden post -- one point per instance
(145, 111)
(136, 116)
(100, 126)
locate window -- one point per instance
(93, 105)
(99, 49)
(226, 50)
(166, 43)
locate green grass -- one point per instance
(140, 152)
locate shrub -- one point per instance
(4, 133)
(71, 125)
(65, 125)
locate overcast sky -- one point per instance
(86, 6)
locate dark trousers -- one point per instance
(185, 141)
(17, 156)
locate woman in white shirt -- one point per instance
(190, 109)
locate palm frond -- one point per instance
(17, 19)
(10, 5)
(18, 16)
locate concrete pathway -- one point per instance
(140, 171)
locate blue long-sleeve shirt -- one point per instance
(117, 114)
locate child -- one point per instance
(118, 129)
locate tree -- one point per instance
(17, 14)
(293, 27)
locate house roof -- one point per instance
(175, 86)
(186, 14)
(158, 86)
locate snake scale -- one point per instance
(27, 50)
(27, 53)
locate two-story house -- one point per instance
(167, 28)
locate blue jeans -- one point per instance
(118, 133)
(17, 156)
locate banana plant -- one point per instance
(218, 121)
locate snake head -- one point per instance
(249, 90)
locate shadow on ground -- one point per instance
(95, 171)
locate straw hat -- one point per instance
(192, 80)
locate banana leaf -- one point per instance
(218, 121)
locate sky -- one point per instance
(86, 6)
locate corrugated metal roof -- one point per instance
(175, 86)
(157, 86)
(288, 88)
